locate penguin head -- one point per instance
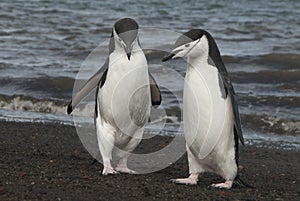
(192, 44)
(125, 35)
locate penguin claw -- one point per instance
(186, 181)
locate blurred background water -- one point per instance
(44, 43)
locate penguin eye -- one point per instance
(187, 45)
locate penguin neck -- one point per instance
(118, 59)
(197, 62)
(120, 50)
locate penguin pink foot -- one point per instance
(109, 170)
(191, 180)
(122, 167)
(125, 170)
(227, 184)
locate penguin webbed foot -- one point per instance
(122, 167)
(185, 181)
(226, 185)
(125, 170)
(191, 180)
(109, 170)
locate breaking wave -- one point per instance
(26, 103)
(30, 104)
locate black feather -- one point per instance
(155, 92)
(69, 108)
(100, 84)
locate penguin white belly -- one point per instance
(124, 99)
(208, 122)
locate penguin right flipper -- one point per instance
(91, 84)
(155, 92)
(216, 60)
(236, 114)
(227, 89)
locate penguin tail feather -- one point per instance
(94, 162)
(239, 180)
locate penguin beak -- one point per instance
(170, 56)
(128, 51)
(128, 55)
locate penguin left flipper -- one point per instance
(155, 92)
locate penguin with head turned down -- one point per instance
(125, 91)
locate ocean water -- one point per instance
(43, 44)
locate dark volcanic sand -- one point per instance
(48, 162)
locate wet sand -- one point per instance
(48, 162)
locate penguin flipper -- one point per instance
(91, 84)
(155, 92)
(228, 89)
(235, 108)
(99, 85)
(237, 119)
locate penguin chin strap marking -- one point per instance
(191, 49)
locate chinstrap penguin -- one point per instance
(212, 125)
(124, 94)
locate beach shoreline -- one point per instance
(48, 162)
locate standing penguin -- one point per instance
(212, 123)
(125, 91)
